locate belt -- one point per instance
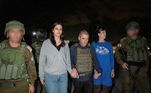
(139, 64)
(84, 74)
(10, 83)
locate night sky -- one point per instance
(77, 15)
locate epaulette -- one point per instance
(123, 39)
(29, 48)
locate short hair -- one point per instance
(100, 28)
(83, 32)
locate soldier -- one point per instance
(132, 56)
(40, 37)
(82, 60)
(17, 69)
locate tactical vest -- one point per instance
(84, 61)
(12, 62)
(137, 51)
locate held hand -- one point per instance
(42, 82)
(96, 74)
(31, 88)
(74, 73)
(125, 66)
(113, 73)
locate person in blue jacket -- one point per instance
(104, 52)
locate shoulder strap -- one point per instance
(29, 48)
(28, 53)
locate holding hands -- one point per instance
(125, 66)
(96, 74)
(42, 82)
(31, 88)
(74, 73)
(113, 73)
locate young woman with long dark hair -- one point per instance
(54, 61)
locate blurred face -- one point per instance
(132, 32)
(102, 35)
(15, 35)
(57, 30)
(83, 39)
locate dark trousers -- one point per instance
(135, 79)
(82, 86)
(100, 89)
(18, 87)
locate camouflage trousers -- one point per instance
(14, 87)
(135, 80)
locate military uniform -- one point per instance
(134, 53)
(40, 37)
(37, 47)
(17, 68)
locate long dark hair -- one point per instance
(52, 35)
